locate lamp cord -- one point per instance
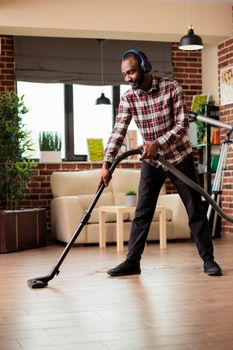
(101, 62)
(191, 19)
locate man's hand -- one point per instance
(105, 176)
(149, 150)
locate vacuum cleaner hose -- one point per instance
(182, 177)
(196, 187)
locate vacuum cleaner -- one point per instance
(41, 282)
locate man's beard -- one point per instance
(139, 82)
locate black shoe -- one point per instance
(212, 268)
(125, 268)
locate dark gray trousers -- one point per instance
(150, 184)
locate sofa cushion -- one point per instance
(72, 183)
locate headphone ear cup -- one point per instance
(146, 66)
(142, 65)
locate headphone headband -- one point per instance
(145, 64)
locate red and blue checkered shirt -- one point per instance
(161, 117)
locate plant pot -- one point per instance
(50, 156)
(130, 200)
(22, 229)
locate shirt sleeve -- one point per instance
(118, 133)
(180, 117)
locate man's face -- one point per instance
(132, 72)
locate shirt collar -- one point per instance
(154, 86)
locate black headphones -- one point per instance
(145, 64)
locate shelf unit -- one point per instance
(207, 151)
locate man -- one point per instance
(158, 108)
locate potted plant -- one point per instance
(130, 198)
(15, 172)
(50, 146)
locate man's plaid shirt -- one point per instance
(160, 115)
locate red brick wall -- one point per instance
(7, 66)
(225, 59)
(188, 71)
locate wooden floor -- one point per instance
(172, 305)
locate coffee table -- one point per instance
(120, 210)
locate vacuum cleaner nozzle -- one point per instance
(36, 283)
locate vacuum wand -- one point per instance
(194, 116)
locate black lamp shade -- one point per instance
(102, 100)
(191, 41)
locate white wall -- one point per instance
(210, 71)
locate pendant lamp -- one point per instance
(102, 100)
(191, 41)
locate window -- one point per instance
(132, 125)
(74, 114)
(90, 120)
(45, 103)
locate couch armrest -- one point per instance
(179, 214)
(66, 213)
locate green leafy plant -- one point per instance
(131, 192)
(201, 110)
(49, 141)
(15, 168)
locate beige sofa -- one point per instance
(73, 193)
